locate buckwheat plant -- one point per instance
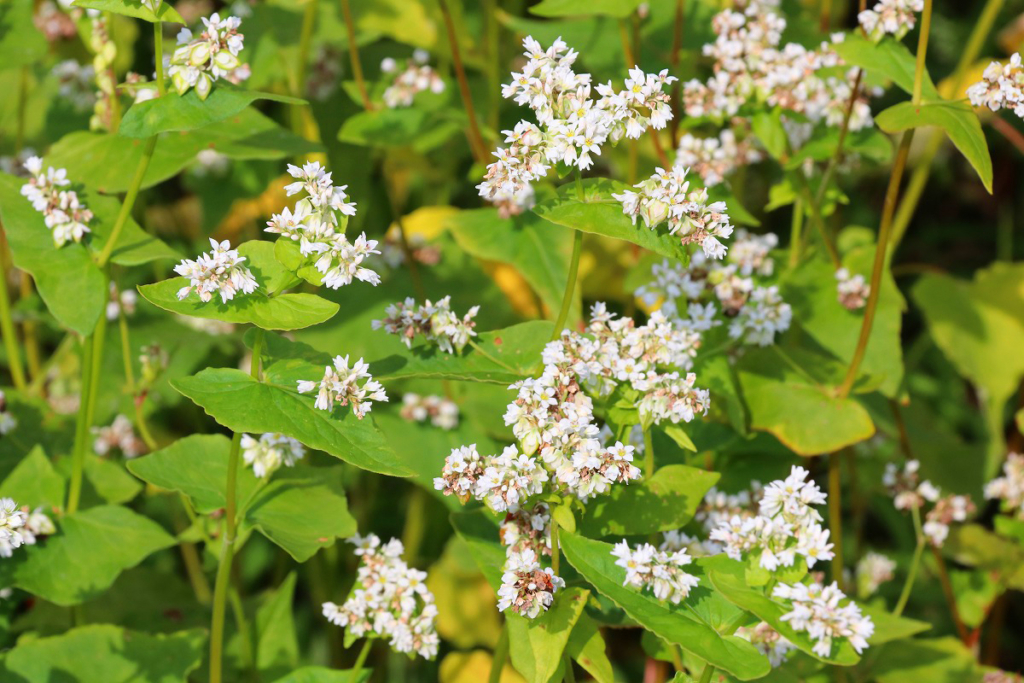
(218, 273)
(200, 60)
(435, 322)
(270, 452)
(64, 213)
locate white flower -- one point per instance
(12, 523)
(947, 510)
(434, 321)
(715, 158)
(414, 78)
(125, 302)
(658, 570)
(341, 384)
(63, 213)
(526, 588)
(1001, 87)
(270, 452)
(893, 17)
(872, 571)
(120, 435)
(441, 412)
(219, 272)
(853, 290)
(816, 610)
(200, 60)
(768, 641)
(1008, 488)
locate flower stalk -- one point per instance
(476, 140)
(353, 55)
(915, 563)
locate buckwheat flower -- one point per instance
(37, 525)
(12, 523)
(63, 212)
(8, 423)
(853, 290)
(671, 397)
(1001, 87)
(269, 452)
(768, 642)
(892, 17)
(1009, 488)
(816, 610)
(416, 77)
(462, 470)
(118, 435)
(389, 600)
(793, 498)
(75, 83)
(341, 384)
(526, 588)
(763, 316)
(434, 321)
(219, 272)
(659, 571)
(199, 61)
(947, 510)
(439, 411)
(715, 158)
(509, 479)
(906, 487)
(527, 529)
(872, 571)
(125, 302)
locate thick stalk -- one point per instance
(555, 553)
(796, 230)
(876, 272)
(500, 657)
(826, 15)
(835, 516)
(476, 140)
(922, 51)
(353, 55)
(648, 454)
(158, 48)
(92, 361)
(357, 668)
(129, 202)
(705, 676)
(912, 574)
(570, 285)
(29, 331)
(627, 51)
(947, 590)
(10, 340)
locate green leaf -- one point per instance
(408, 127)
(536, 645)
(481, 535)
(34, 482)
(509, 355)
(261, 259)
(291, 311)
(105, 654)
(134, 8)
(956, 119)
(318, 674)
(587, 647)
(91, 548)
(889, 59)
(110, 480)
(796, 409)
(584, 8)
(174, 112)
(20, 42)
(668, 500)
(277, 647)
(938, 660)
(868, 143)
(727, 576)
(767, 126)
(601, 214)
(242, 404)
(889, 627)
(674, 623)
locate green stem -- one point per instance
(500, 657)
(705, 676)
(222, 582)
(305, 44)
(648, 454)
(835, 516)
(357, 668)
(92, 361)
(819, 223)
(796, 233)
(129, 202)
(476, 140)
(922, 51)
(353, 55)
(570, 675)
(912, 574)
(555, 553)
(826, 177)
(10, 340)
(238, 611)
(158, 47)
(574, 267)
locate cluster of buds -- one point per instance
(890, 17)
(270, 452)
(390, 600)
(786, 526)
(119, 435)
(947, 510)
(666, 196)
(200, 60)
(104, 51)
(768, 642)
(715, 158)
(816, 611)
(434, 321)
(415, 77)
(527, 588)
(1009, 488)
(441, 412)
(219, 272)
(660, 571)
(1001, 87)
(63, 213)
(852, 290)
(8, 423)
(910, 493)
(318, 224)
(341, 384)
(872, 571)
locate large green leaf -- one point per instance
(536, 645)
(889, 627)
(889, 59)
(601, 214)
(956, 119)
(936, 660)
(802, 413)
(588, 648)
(242, 404)
(727, 575)
(134, 8)
(678, 624)
(110, 482)
(90, 549)
(34, 482)
(105, 654)
(409, 127)
(668, 500)
(291, 311)
(277, 647)
(581, 8)
(509, 355)
(174, 112)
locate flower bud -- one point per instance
(180, 82)
(203, 86)
(200, 54)
(225, 60)
(654, 212)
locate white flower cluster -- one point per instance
(318, 224)
(947, 510)
(8, 423)
(690, 296)
(75, 83)
(661, 571)
(434, 321)
(416, 77)
(1001, 87)
(389, 600)
(872, 571)
(852, 290)
(441, 412)
(714, 158)
(768, 642)
(666, 196)
(18, 527)
(341, 384)
(199, 61)
(1008, 488)
(118, 434)
(269, 452)
(527, 588)
(219, 272)
(890, 17)
(816, 610)
(126, 302)
(63, 213)
(527, 529)
(786, 526)
(752, 65)
(573, 125)
(908, 491)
